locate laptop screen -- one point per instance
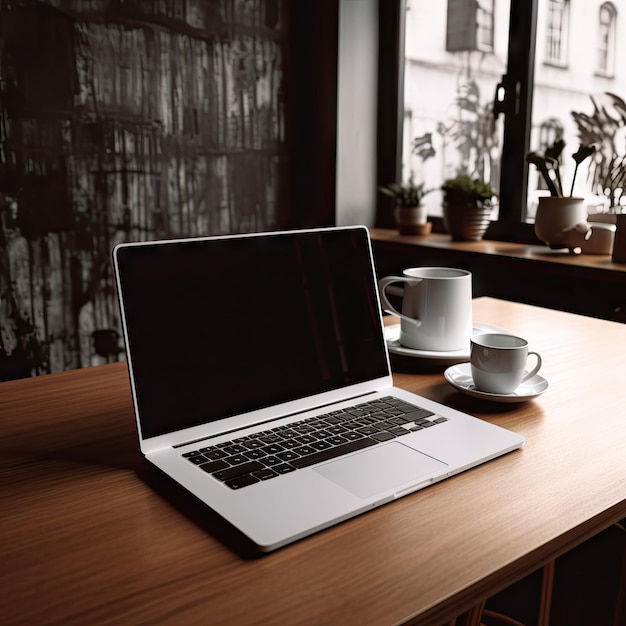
(219, 327)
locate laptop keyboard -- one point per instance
(270, 453)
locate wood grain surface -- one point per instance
(90, 534)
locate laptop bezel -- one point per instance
(260, 416)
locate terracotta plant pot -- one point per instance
(466, 222)
(412, 220)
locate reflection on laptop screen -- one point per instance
(219, 327)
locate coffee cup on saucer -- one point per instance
(498, 362)
(436, 307)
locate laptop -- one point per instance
(262, 385)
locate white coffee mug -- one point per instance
(498, 362)
(436, 307)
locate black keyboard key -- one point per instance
(197, 459)
(237, 459)
(322, 444)
(243, 480)
(255, 454)
(269, 438)
(288, 433)
(302, 450)
(273, 448)
(270, 461)
(305, 439)
(238, 470)
(289, 444)
(384, 436)
(215, 453)
(337, 430)
(331, 453)
(302, 429)
(336, 440)
(251, 444)
(418, 414)
(233, 448)
(352, 435)
(288, 455)
(333, 419)
(402, 419)
(285, 468)
(265, 474)
(393, 411)
(398, 431)
(367, 420)
(321, 434)
(214, 466)
(367, 430)
(192, 453)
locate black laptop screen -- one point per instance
(229, 325)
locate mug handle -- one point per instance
(382, 284)
(535, 369)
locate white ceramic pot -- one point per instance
(562, 222)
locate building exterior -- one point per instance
(456, 56)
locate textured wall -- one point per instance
(126, 120)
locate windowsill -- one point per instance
(604, 75)
(536, 253)
(556, 64)
(588, 284)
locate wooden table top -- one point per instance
(90, 536)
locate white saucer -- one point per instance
(392, 338)
(460, 377)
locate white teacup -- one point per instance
(436, 307)
(498, 362)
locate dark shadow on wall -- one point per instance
(133, 120)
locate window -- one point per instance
(470, 111)
(469, 25)
(556, 32)
(606, 40)
(484, 25)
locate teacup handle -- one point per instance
(382, 284)
(535, 369)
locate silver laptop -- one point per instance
(261, 381)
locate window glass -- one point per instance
(606, 40)
(556, 32)
(484, 25)
(455, 55)
(576, 98)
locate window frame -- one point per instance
(515, 106)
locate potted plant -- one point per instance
(467, 204)
(604, 128)
(410, 213)
(549, 163)
(561, 220)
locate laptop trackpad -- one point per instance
(380, 469)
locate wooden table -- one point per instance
(86, 537)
